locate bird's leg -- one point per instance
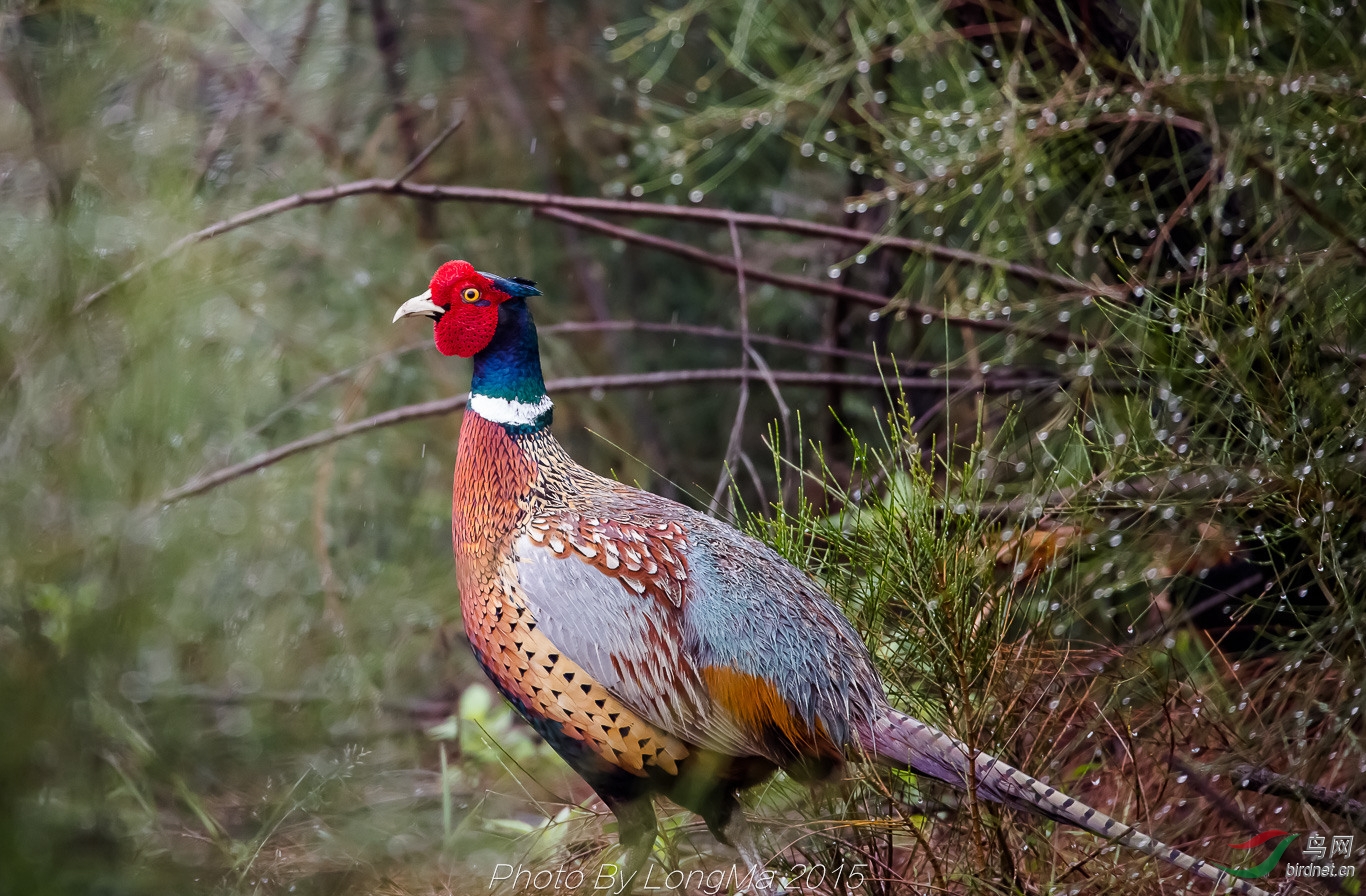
(636, 832)
(727, 823)
(740, 833)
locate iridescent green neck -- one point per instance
(507, 387)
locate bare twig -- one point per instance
(787, 281)
(299, 45)
(1208, 603)
(737, 427)
(457, 119)
(218, 132)
(1181, 211)
(574, 326)
(453, 193)
(748, 463)
(1313, 209)
(784, 412)
(1252, 777)
(251, 34)
(647, 326)
(328, 379)
(441, 406)
(599, 326)
(298, 200)
(205, 482)
(249, 85)
(1199, 779)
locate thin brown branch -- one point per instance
(893, 367)
(1181, 210)
(737, 427)
(269, 209)
(646, 326)
(654, 379)
(1147, 488)
(265, 459)
(457, 119)
(787, 281)
(252, 34)
(302, 37)
(454, 193)
(1310, 207)
(784, 412)
(1200, 780)
(1209, 603)
(1176, 121)
(328, 379)
(1252, 777)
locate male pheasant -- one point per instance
(658, 650)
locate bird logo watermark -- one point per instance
(1317, 850)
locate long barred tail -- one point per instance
(900, 740)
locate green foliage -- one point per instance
(893, 535)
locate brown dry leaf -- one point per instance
(1038, 549)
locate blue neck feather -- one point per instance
(509, 367)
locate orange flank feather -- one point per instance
(755, 704)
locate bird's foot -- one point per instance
(763, 886)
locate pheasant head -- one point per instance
(483, 316)
(465, 305)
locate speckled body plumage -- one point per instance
(667, 690)
(658, 650)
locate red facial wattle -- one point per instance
(470, 304)
(465, 330)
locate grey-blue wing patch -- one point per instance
(632, 644)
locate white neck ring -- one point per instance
(510, 412)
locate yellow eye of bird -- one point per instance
(470, 294)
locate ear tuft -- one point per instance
(514, 287)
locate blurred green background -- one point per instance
(1126, 310)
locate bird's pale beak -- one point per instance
(419, 305)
